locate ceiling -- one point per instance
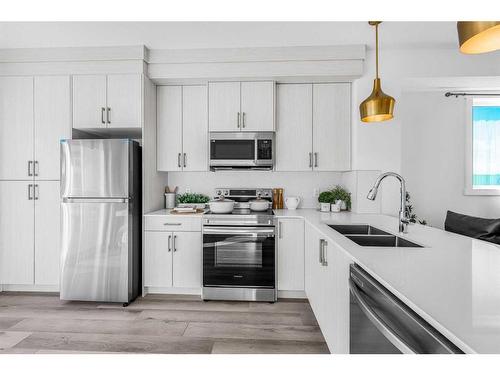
(186, 35)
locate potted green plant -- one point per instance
(325, 199)
(192, 200)
(341, 197)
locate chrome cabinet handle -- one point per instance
(280, 230)
(179, 160)
(184, 160)
(325, 253)
(36, 192)
(30, 197)
(175, 246)
(321, 251)
(310, 160)
(172, 223)
(315, 159)
(238, 121)
(30, 165)
(243, 119)
(36, 169)
(102, 115)
(108, 116)
(169, 243)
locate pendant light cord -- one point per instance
(376, 50)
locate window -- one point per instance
(483, 147)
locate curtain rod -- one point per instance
(457, 94)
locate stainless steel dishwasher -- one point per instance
(381, 324)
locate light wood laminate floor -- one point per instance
(41, 323)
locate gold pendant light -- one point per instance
(478, 36)
(378, 106)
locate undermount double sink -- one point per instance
(366, 235)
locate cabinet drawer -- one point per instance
(172, 223)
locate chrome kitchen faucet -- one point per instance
(403, 217)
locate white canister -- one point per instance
(324, 207)
(336, 206)
(170, 199)
(292, 202)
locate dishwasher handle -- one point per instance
(387, 331)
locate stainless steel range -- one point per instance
(239, 250)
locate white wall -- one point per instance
(378, 145)
(433, 140)
(300, 184)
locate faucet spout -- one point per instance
(403, 217)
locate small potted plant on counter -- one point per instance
(341, 197)
(325, 199)
(192, 200)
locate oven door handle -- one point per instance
(269, 232)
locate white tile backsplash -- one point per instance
(300, 184)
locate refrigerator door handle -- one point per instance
(95, 200)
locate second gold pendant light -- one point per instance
(378, 106)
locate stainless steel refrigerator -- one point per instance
(101, 220)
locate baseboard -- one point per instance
(291, 294)
(29, 288)
(171, 290)
(197, 291)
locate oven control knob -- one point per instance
(226, 193)
(218, 192)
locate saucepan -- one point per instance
(221, 206)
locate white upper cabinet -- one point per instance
(313, 130)
(241, 106)
(107, 101)
(47, 232)
(169, 128)
(16, 128)
(16, 232)
(52, 123)
(224, 106)
(124, 98)
(89, 101)
(194, 128)
(257, 106)
(294, 130)
(291, 254)
(332, 127)
(182, 139)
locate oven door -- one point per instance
(239, 257)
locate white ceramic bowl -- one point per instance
(221, 206)
(259, 205)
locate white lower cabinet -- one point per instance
(291, 254)
(327, 288)
(157, 259)
(187, 258)
(47, 232)
(29, 232)
(172, 259)
(17, 233)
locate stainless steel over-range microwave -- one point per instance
(241, 150)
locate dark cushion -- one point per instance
(475, 227)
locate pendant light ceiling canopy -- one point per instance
(378, 106)
(478, 36)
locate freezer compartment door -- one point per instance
(95, 168)
(95, 252)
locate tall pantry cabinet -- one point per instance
(35, 113)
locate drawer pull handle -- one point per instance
(172, 223)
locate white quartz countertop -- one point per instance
(453, 282)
